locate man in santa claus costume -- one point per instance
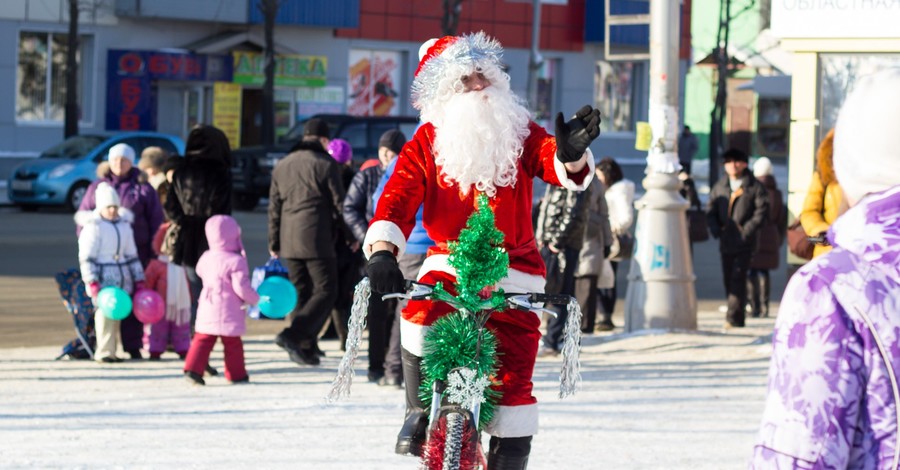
(477, 137)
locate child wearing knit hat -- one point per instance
(107, 256)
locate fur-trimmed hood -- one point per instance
(103, 172)
(824, 160)
(83, 218)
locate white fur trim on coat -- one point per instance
(384, 231)
(514, 421)
(563, 175)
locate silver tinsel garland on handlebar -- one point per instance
(570, 375)
(340, 387)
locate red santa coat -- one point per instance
(417, 181)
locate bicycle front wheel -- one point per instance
(452, 444)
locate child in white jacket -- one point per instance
(107, 256)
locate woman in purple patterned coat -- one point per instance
(833, 400)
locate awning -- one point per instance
(225, 42)
(776, 86)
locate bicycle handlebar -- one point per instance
(519, 300)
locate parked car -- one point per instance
(252, 166)
(61, 174)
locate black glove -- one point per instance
(607, 249)
(574, 137)
(384, 273)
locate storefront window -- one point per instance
(615, 85)
(40, 76)
(839, 73)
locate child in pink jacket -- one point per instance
(171, 283)
(226, 288)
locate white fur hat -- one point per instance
(121, 151)
(105, 196)
(866, 154)
(762, 167)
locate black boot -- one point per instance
(509, 453)
(753, 293)
(765, 288)
(411, 438)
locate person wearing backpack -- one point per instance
(833, 396)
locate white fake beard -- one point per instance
(479, 137)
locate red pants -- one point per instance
(202, 345)
(518, 334)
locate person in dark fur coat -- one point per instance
(200, 189)
(771, 237)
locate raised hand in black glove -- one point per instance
(574, 137)
(384, 273)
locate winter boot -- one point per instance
(753, 293)
(413, 434)
(765, 288)
(509, 453)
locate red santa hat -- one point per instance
(449, 54)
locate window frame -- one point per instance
(86, 80)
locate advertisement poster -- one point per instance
(373, 83)
(324, 100)
(227, 111)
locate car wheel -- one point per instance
(76, 194)
(245, 201)
(28, 207)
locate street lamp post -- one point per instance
(661, 279)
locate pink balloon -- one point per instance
(149, 306)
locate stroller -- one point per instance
(79, 305)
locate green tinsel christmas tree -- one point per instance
(480, 262)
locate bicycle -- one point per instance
(462, 396)
(460, 360)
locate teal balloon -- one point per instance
(114, 303)
(279, 297)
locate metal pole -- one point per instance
(661, 279)
(534, 60)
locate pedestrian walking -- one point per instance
(349, 258)
(620, 201)
(687, 148)
(737, 208)
(221, 313)
(200, 189)
(107, 256)
(767, 254)
(833, 395)
(594, 252)
(561, 226)
(305, 205)
(359, 209)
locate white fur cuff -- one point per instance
(384, 231)
(563, 175)
(514, 421)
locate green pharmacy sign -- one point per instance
(290, 70)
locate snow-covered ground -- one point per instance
(648, 401)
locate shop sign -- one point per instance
(290, 70)
(845, 19)
(323, 100)
(131, 98)
(227, 111)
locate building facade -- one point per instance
(167, 65)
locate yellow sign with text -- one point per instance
(227, 111)
(643, 136)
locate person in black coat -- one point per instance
(305, 201)
(358, 211)
(738, 205)
(200, 188)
